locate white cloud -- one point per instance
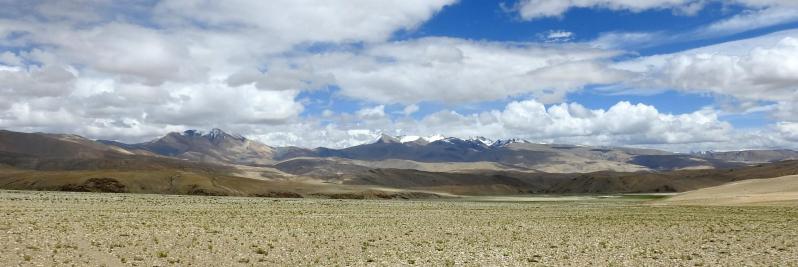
(282, 78)
(457, 71)
(749, 20)
(410, 109)
(758, 69)
(535, 9)
(289, 22)
(622, 124)
(48, 81)
(745, 21)
(86, 67)
(789, 130)
(9, 58)
(372, 113)
(141, 69)
(557, 36)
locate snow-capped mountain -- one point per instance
(481, 139)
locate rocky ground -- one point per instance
(94, 229)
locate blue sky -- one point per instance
(681, 75)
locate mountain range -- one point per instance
(443, 153)
(216, 162)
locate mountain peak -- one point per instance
(216, 132)
(212, 135)
(481, 139)
(387, 139)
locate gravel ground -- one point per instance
(88, 229)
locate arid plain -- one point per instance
(103, 229)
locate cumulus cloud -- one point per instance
(48, 81)
(622, 124)
(372, 113)
(789, 130)
(134, 70)
(762, 68)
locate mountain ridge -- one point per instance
(402, 151)
(217, 163)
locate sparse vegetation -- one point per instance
(46, 228)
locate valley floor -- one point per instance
(91, 229)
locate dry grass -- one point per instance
(90, 229)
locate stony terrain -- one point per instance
(94, 229)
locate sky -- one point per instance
(679, 75)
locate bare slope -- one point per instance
(215, 146)
(780, 190)
(55, 145)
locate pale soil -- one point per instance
(772, 191)
(89, 229)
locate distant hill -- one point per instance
(751, 156)
(506, 154)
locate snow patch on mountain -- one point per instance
(423, 139)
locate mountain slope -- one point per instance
(55, 145)
(749, 192)
(215, 146)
